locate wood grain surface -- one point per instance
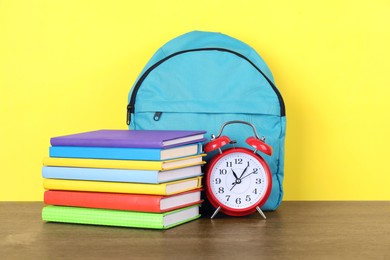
(297, 230)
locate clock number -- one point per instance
(238, 201)
(248, 198)
(229, 164)
(238, 161)
(254, 191)
(222, 171)
(221, 190)
(227, 197)
(218, 181)
(255, 170)
(258, 181)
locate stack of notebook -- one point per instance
(140, 178)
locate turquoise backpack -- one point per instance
(199, 81)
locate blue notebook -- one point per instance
(119, 175)
(119, 153)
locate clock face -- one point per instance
(239, 180)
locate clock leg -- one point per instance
(216, 212)
(261, 212)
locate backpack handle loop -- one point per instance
(254, 141)
(240, 122)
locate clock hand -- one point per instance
(247, 175)
(239, 181)
(234, 184)
(244, 170)
(235, 175)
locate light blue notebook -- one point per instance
(118, 175)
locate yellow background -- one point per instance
(67, 66)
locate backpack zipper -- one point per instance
(131, 105)
(157, 116)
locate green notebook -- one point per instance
(120, 217)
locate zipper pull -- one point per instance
(128, 118)
(157, 116)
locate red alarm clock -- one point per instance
(238, 180)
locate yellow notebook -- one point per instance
(167, 188)
(125, 164)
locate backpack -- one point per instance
(199, 81)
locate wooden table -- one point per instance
(297, 230)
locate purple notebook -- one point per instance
(131, 138)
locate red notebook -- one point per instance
(121, 201)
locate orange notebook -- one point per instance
(122, 201)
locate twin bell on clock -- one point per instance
(238, 180)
